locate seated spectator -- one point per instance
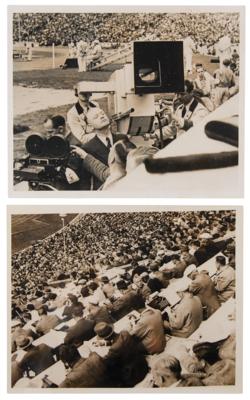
(47, 322)
(19, 330)
(224, 279)
(99, 313)
(186, 316)
(125, 360)
(203, 86)
(107, 288)
(37, 358)
(203, 287)
(225, 83)
(166, 371)
(130, 300)
(84, 373)
(82, 330)
(68, 310)
(150, 330)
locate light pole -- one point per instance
(63, 216)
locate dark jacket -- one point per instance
(97, 149)
(37, 359)
(126, 361)
(90, 372)
(131, 300)
(204, 253)
(81, 331)
(101, 314)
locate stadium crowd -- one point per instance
(146, 253)
(62, 28)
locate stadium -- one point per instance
(46, 68)
(124, 300)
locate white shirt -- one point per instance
(103, 138)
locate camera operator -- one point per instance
(81, 129)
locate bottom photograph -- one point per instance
(129, 298)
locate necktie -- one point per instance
(183, 112)
(109, 145)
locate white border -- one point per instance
(6, 200)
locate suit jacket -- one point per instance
(131, 300)
(225, 283)
(38, 358)
(150, 331)
(81, 331)
(203, 287)
(186, 316)
(126, 361)
(97, 149)
(46, 323)
(90, 372)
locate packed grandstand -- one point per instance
(62, 28)
(103, 310)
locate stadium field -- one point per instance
(28, 228)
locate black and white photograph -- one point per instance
(125, 298)
(126, 101)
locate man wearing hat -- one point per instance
(37, 358)
(91, 372)
(19, 330)
(80, 128)
(125, 360)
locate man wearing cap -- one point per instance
(37, 358)
(82, 330)
(47, 322)
(224, 279)
(125, 360)
(80, 128)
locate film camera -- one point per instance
(44, 165)
(155, 67)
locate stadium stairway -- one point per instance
(121, 56)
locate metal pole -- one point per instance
(53, 55)
(19, 28)
(64, 242)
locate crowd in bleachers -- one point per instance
(116, 263)
(62, 28)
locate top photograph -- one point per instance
(126, 101)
